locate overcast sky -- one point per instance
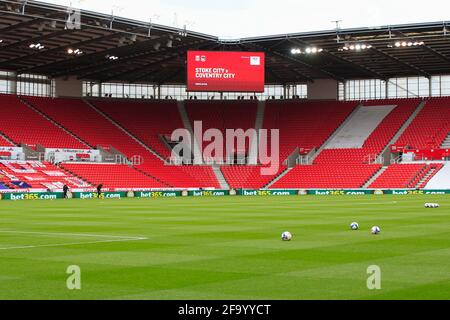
(245, 18)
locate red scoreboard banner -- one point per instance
(225, 71)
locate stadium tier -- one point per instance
(430, 128)
(23, 125)
(348, 137)
(17, 175)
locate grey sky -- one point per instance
(244, 18)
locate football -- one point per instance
(376, 230)
(286, 236)
(354, 226)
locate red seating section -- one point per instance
(405, 176)
(248, 177)
(23, 125)
(430, 128)
(39, 175)
(379, 138)
(113, 176)
(305, 125)
(327, 176)
(223, 115)
(4, 143)
(350, 168)
(399, 176)
(146, 121)
(95, 129)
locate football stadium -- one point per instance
(140, 161)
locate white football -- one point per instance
(354, 226)
(286, 236)
(376, 230)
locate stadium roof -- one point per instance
(154, 53)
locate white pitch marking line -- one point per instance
(114, 239)
(73, 234)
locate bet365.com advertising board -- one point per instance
(225, 71)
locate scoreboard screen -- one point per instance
(225, 71)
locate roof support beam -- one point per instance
(344, 61)
(76, 61)
(79, 44)
(402, 63)
(28, 23)
(428, 48)
(151, 64)
(284, 57)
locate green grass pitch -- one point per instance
(226, 248)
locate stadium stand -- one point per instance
(430, 128)
(15, 116)
(113, 176)
(146, 121)
(304, 125)
(81, 119)
(327, 176)
(39, 175)
(350, 167)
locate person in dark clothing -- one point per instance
(65, 190)
(99, 190)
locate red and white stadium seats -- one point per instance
(37, 175)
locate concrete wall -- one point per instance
(323, 89)
(68, 87)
